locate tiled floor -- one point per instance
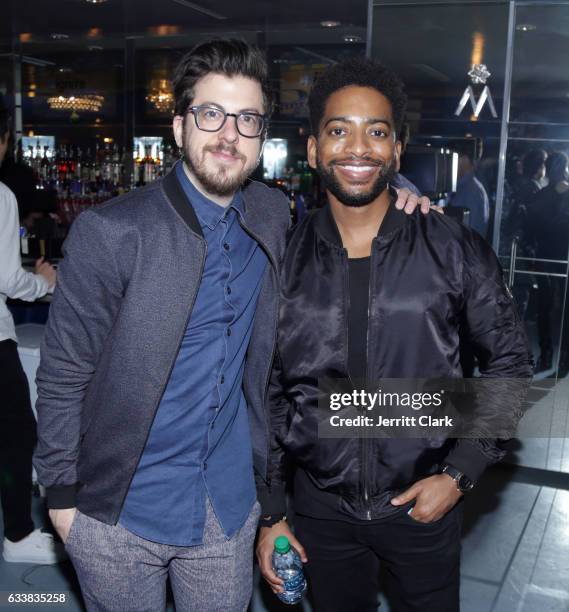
(515, 538)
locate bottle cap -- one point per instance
(282, 545)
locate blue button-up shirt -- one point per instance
(199, 443)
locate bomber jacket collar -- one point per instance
(177, 197)
(326, 225)
(257, 218)
(255, 215)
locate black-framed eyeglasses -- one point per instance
(211, 119)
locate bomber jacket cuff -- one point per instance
(272, 500)
(61, 496)
(469, 459)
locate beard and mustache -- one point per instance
(220, 181)
(355, 200)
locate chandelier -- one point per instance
(161, 97)
(90, 103)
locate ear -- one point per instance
(178, 128)
(263, 141)
(397, 156)
(312, 151)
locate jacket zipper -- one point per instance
(166, 379)
(275, 324)
(365, 442)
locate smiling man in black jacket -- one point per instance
(369, 293)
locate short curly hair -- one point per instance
(358, 72)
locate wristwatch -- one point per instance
(463, 483)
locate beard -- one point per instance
(347, 198)
(220, 181)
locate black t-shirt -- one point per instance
(310, 500)
(358, 317)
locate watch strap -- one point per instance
(463, 483)
(269, 521)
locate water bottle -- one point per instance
(288, 566)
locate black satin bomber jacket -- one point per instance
(430, 279)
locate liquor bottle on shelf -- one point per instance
(149, 166)
(93, 166)
(37, 160)
(61, 160)
(77, 174)
(168, 158)
(20, 152)
(45, 167)
(106, 165)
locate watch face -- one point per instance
(465, 484)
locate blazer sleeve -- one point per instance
(85, 304)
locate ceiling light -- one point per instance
(81, 102)
(525, 27)
(57, 36)
(95, 48)
(161, 96)
(95, 1)
(330, 24)
(352, 38)
(164, 30)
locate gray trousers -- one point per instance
(121, 572)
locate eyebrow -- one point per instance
(220, 107)
(369, 121)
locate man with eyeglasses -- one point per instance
(157, 354)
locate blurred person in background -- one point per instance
(22, 542)
(470, 192)
(547, 234)
(522, 191)
(398, 179)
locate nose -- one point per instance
(358, 144)
(229, 131)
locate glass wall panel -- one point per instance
(433, 47)
(534, 230)
(447, 39)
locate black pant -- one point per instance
(17, 441)
(420, 563)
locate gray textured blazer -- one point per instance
(125, 292)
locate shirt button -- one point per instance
(205, 465)
(229, 331)
(222, 379)
(226, 246)
(228, 290)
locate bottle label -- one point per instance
(292, 584)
